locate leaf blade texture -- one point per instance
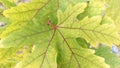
(111, 58)
(53, 32)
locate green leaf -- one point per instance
(9, 64)
(13, 1)
(4, 22)
(72, 55)
(54, 40)
(112, 59)
(6, 54)
(9, 57)
(31, 12)
(113, 7)
(7, 3)
(64, 3)
(25, 11)
(88, 28)
(106, 20)
(42, 57)
(82, 42)
(93, 9)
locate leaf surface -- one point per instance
(88, 28)
(72, 55)
(93, 9)
(53, 33)
(7, 3)
(112, 59)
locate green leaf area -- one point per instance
(53, 33)
(112, 59)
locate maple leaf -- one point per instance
(89, 28)
(53, 32)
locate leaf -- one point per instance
(64, 3)
(15, 27)
(71, 55)
(7, 3)
(112, 59)
(83, 42)
(9, 64)
(113, 6)
(25, 11)
(13, 1)
(66, 58)
(18, 34)
(32, 12)
(106, 20)
(42, 57)
(93, 9)
(54, 45)
(88, 28)
(9, 57)
(5, 54)
(4, 22)
(111, 11)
